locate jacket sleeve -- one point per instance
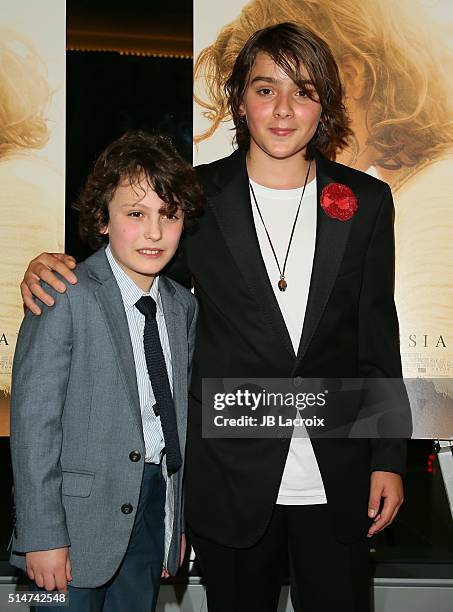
(40, 376)
(191, 336)
(379, 351)
(191, 341)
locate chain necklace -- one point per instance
(282, 284)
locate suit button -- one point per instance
(135, 456)
(126, 508)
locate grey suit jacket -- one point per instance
(75, 419)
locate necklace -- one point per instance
(282, 284)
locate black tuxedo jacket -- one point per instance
(350, 330)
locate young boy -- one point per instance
(287, 295)
(99, 397)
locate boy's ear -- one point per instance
(105, 230)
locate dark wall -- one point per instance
(107, 94)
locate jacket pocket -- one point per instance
(77, 484)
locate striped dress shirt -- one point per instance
(131, 293)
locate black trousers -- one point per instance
(325, 574)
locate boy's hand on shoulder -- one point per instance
(41, 269)
(389, 487)
(50, 569)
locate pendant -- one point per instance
(282, 284)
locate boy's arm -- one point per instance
(379, 357)
(191, 341)
(40, 376)
(42, 268)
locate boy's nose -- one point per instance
(283, 109)
(153, 231)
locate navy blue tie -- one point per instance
(157, 371)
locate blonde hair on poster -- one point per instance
(24, 94)
(408, 69)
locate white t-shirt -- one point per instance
(301, 481)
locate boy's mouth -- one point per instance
(282, 131)
(150, 252)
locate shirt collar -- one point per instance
(130, 291)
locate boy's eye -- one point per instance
(135, 213)
(170, 217)
(308, 92)
(264, 91)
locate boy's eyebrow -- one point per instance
(131, 204)
(273, 81)
(265, 79)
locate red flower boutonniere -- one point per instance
(338, 201)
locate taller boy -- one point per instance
(249, 501)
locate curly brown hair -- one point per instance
(128, 159)
(293, 47)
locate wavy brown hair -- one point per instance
(407, 59)
(24, 94)
(294, 48)
(129, 159)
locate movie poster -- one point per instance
(32, 155)
(396, 63)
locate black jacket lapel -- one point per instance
(331, 238)
(233, 212)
